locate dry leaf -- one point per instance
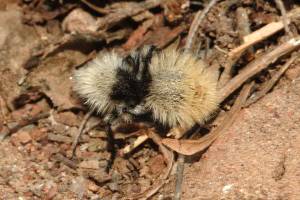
(137, 37)
(188, 147)
(53, 77)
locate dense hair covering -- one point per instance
(182, 92)
(175, 87)
(94, 82)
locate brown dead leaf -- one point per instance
(16, 43)
(162, 36)
(79, 21)
(133, 128)
(136, 38)
(113, 18)
(39, 13)
(187, 147)
(53, 77)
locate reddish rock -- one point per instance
(67, 118)
(21, 137)
(90, 164)
(50, 192)
(24, 137)
(92, 186)
(156, 164)
(38, 134)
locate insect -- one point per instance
(173, 87)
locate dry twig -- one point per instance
(267, 86)
(51, 49)
(95, 8)
(196, 23)
(285, 19)
(243, 25)
(65, 161)
(80, 131)
(114, 18)
(129, 148)
(262, 34)
(3, 107)
(179, 177)
(243, 29)
(258, 65)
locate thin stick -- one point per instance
(65, 161)
(258, 65)
(243, 29)
(92, 126)
(77, 137)
(129, 148)
(227, 73)
(179, 176)
(3, 107)
(267, 86)
(111, 19)
(263, 33)
(95, 8)
(110, 147)
(180, 167)
(200, 15)
(243, 25)
(285, 20)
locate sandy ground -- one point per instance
(257, 158)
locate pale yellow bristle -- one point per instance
(94, 81)
(183, 91)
